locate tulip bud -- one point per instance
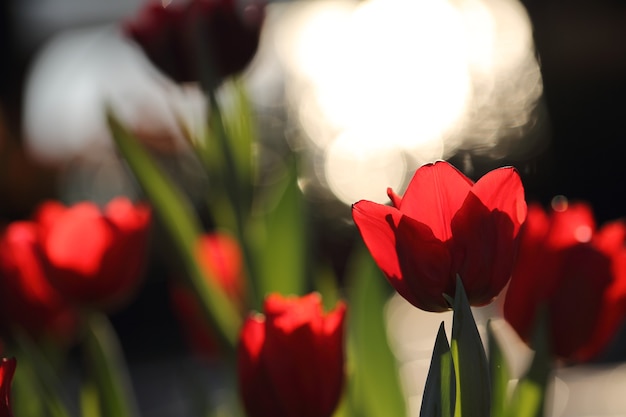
(576, 272)
(27, 299)
(95, 258)
(445, 225)
(220, 256)
(291, 360)
(185, 38)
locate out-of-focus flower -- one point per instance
(577, 272)
(27, 300)
(443, 226)
(291, 361)
(7, 369)
(195, 39)
(95, 257)
(220, 256)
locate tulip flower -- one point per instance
(178, 36)
(220, 256)
(7, 369)
(577, 273)
(95, 257)
(291, 360)
(446, 225)
(27, 300)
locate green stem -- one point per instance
(235, 195)
(107, 368)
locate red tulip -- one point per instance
(7, 369)
(446, 225)
(27, 299)
(95, 258)
(291, 361)
(184, 36)
(220, 255)
(577, 272)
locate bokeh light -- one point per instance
(398, 83)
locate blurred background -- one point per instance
(364, 91)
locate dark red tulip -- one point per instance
(95, 257)
(27, 300)
(291, 361)
(194, 39)
(220, 255)
(446, 225)
(577, 272)
(7, 369)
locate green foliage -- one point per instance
(440, 390)
(473, 397)
(279, 238)
(530, 393)
(183, 228)
(499, 373)
(107, 370)
(376, 390)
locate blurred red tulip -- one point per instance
(291, 361)
(7, 369)
(185, 38)
(27, 300)
(220, 256)
(95, 258)
(577, 272)
(443, 226)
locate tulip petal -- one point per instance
(306, 352)
(330, 354)
(502, 190)
(66, 238)
(7, 369)
(415, 262)
(434, 195)
(571, 226)
(373, 221)
(396, 200)
(259, 395)
(485, 231)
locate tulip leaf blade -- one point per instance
(439, 392)
(183, 227)
(280, 237)
(375, 389)
(37, 388)
(529, 396)
(499, 374)
(473, 388)
(108, 369)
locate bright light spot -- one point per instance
(413, 78)
(583, 234)
(77, 74)
(356, 171)
(559, 203)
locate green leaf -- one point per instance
(439, 392)
(241, 132)
(376, 386)
(530, 393)
(107, 368)
(280, 238)
(37, 389)
(499, 373)
(226, 154)
(473, 397)
(89, 400)
(183, 227)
